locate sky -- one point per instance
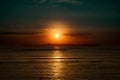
(79, 21)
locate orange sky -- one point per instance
(67, 35)
(37, 39)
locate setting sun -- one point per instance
(57, 35)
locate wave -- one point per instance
(49, 48)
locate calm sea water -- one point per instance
(59, 63)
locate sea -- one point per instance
(59, 62)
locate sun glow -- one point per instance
(57, 35)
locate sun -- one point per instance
(57, 35)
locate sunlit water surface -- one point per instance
(60, 63)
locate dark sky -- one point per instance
(99, 18)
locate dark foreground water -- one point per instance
(59, 63)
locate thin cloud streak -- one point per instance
(78, 34)
(40, 33)
(20, 33)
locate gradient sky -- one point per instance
(85, 21)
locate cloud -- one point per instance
(82, 34)
(20, 33)
(79, 34)
(43, 2)
(76, 2)
(73, 2)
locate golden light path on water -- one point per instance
(57, 64)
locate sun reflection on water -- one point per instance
(57, 64)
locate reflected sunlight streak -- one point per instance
(57, 71)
